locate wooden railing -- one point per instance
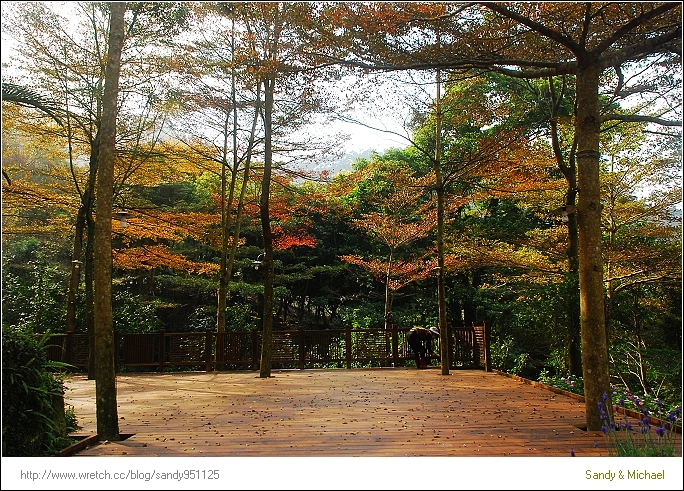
(332, 348)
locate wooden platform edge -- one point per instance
(627, 412)
(79, 445)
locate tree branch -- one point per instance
(638, 118)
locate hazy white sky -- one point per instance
(363, 138)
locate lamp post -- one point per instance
(122, 216)
(258, 261)
(564, 211)
(72, 299)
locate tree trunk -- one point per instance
(388, 308)
(226, 205)
(105, 382)
(87, 205)
(89, 292)
(592, 316)
(441, 294)
(75, 274)
(267, 322)
(571, 291)
(572, 286)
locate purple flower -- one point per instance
(660, 431)
(572, 452)
(595, 444)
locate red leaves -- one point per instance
(297, 238)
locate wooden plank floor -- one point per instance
(359, 412)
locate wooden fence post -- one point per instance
(348, 347)
(255, 349)
(208, 350)
(476, 347)
(485, 335)
(117, 342)
(395, 346)
(162, 350)
(450, 345)
(69, 350)
(302, 348)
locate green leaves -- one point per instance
(32, 396)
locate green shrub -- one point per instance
(134, 314)
(34, 422)
(36, 297)
(364, 316)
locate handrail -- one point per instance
(299, 348)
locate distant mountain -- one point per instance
(345, 162)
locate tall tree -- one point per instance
(63, 53)
(105, 370)
(273, 52)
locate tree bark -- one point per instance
(226, 205)
(595, 359)
(441, 293)
(75, 274)
(105, 383)
(267, 317)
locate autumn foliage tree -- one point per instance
(400, 216)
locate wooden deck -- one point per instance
(366, 412)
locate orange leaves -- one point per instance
(394, 275)
(158, 256)
(394, 233)
(158, 225)
(479, 252)
(403, 216)
(295, 238)
(24, 193)
(31, 208)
